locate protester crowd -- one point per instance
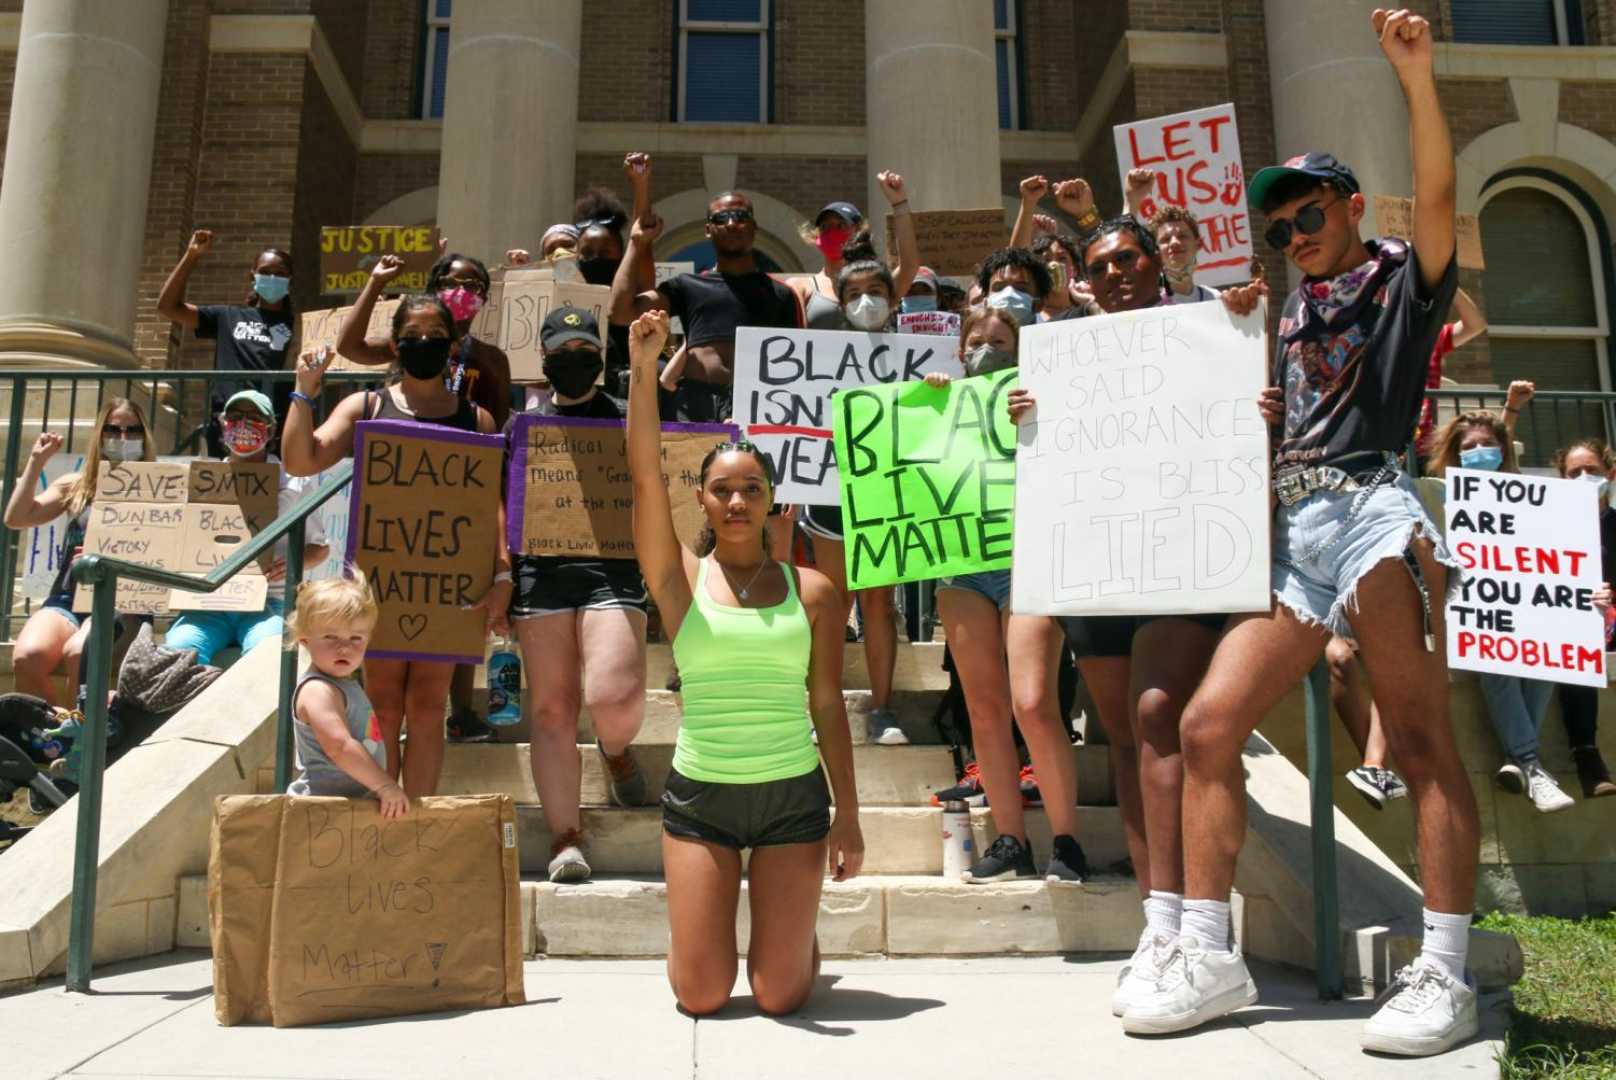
(1360, 567)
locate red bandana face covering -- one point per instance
(246, 437)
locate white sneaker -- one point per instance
(1427, 1012)
(1139, 975)
(1511, 777)
(1197, 985)
(568, 866)
(1544, 792)
(881, 729)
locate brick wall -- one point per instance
(175, 159)
(1096, 36)
(1476, 106)
(1249, 89)
(819, 62)
(247, 186)
(1049, 64)
(1195, 16)
(345, 26)
(806, 184)
(1589, 105)
(381, 178)
(626, 61)
(325, 195)
(387, 90)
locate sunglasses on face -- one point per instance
(116, 429)
(1308, 220)
(729, 217)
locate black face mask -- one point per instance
(423, 358)
(573, 373)
(598, 270)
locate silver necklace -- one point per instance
(747, 589)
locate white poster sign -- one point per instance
(1528, 551)
(1196, 156)
(1142, 473)
(39, 549)
(783, 383)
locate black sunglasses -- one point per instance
(114, 429)
(1308, 220)
(727, 217)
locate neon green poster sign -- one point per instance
(928, 479)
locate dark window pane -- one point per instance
(1552, 364)
(1504, 22)
(441, 8)
(1001, 15)
(725, 11)
(440, 71)
(1001, 60)
(722, 78)
(1537, 262)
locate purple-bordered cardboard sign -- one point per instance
(416, 622)
(516, 485)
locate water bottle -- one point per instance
(957, 846)
(504, 685)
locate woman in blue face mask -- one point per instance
(251, 336)
(1479, 440)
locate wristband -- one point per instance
(1090, 220)
(298, 395)
(502, 576)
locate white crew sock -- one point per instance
(1208, 922)
(1164, 912)
(1447, 941)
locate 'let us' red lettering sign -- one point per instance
(1196, 156)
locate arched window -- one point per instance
(1545, 301)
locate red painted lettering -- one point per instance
(1139, 158)
(1173, 146)
(1211, 125)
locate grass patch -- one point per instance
(1563, 1024)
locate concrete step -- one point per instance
(897, 839)
(886, 775)
(908, 915)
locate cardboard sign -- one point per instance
(954, 241)
(1394, 216)
(322, 328)
(569, 491)
(784, 380)
(1196, 156)
(928, 479)
(422, 526)
(944, 323)
(183, 516)
(320, 910)
(1142, 474)
(1528, 551)
(516, 309)
(348, 253)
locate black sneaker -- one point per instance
(1067, 863)
(1005, 859)
(466, 726)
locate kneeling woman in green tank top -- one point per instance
(759, 647)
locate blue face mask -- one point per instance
(272, 288)
(1482, 457)
(917, 302)
(1017, 303)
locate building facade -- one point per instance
(132, 123)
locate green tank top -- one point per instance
(745, 689)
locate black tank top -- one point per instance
(464, 418)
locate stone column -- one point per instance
(77, 173)
(510, 117)
(931, 103)
(1333, 90)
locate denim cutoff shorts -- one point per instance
(1325, 544)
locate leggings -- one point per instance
(1579, 708)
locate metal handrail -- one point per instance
(102, 574)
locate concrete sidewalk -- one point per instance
(894, 1019)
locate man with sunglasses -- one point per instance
(710, 304)
(1354, 555)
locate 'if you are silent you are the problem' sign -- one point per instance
(1528, 551)
(423, 526)
(1142, 472)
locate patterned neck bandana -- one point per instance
(1338, 301)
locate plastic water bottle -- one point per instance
(504, 685)
(957, 846)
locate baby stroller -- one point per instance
(18, 770)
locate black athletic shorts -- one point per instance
(549, 585)
(791, 811)
(1108, 636)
